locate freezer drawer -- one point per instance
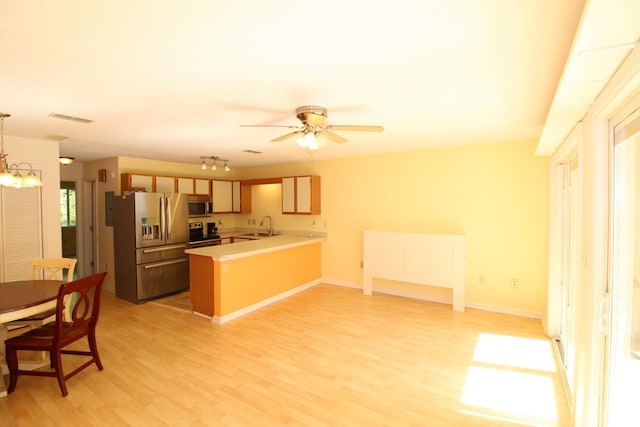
(160, 253)
(161, 278)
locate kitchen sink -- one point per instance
(254, 235)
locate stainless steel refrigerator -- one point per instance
(151, 232)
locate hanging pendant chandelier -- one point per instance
(11, 174)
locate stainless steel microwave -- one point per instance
(200, 206)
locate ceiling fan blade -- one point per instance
(333, 137)
(283, 137)
(361, 128)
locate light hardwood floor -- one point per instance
(329, 356)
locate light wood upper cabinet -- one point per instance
(185, 185)
(136, 182)
(235, 194)
(222, 192)
(289, 195)
(203, 186)
(301, 195)
(165, 184)
(241, 193)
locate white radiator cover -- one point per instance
(424, 259)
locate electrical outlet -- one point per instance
(515, 283)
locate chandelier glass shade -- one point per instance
(11, 174)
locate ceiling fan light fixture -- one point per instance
(203, 166)
(226, 167)
(308, 140)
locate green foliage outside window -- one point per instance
(68, 207)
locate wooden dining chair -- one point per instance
(47, 269)
(55, 336)
(52, 269)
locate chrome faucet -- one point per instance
(269, 229)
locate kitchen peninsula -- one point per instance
(228, 281)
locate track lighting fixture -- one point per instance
(214, 165)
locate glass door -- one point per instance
(622, 358)
(570, 211)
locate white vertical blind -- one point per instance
(21, 217)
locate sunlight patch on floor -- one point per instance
(510, 379)
(516, 352)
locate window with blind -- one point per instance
(21, 225)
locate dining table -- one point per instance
(20, 299)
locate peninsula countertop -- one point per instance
(254, 247)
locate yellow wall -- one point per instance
(495, 194)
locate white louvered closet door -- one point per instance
(21, 225)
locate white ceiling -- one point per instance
(173, 80)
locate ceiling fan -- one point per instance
(313, 118)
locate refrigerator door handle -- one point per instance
(163, 264)
(167, 217)
(163, 224)
(163, 248)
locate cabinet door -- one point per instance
(303, 194)
(165, 184)
(142, 181)
(185, 185)
(203, 187)
(222, 196)
(235, 192)
(288, 195)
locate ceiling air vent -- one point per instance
(71, 118)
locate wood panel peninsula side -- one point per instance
(228, 281)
